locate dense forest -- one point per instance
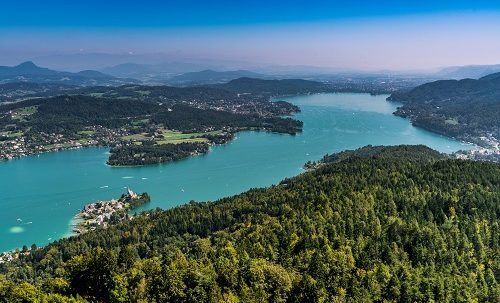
(275, 87)
(418, 152)
(67, 114)
(464, 109)
(189, 119)
(392, 224)
(153, 154)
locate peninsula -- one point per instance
(142, 124)
(105, 213)
(467, 109)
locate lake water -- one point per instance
(39, 195)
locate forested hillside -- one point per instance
(275, 87)
(401, 224)
(465, 109)
(72, 113)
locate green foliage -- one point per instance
(189, 119)
(378, 224)
(92, 275)
(402, 153)
(275, 87)
(27, 293)
(152, 154)
(71, 114)
(455, 108)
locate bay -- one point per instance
(39, 195)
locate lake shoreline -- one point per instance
(101, 214)
(255, 159)
(233, 134)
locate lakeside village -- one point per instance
(105, 213)
(21, 145)
(100, 214)
(488, 151)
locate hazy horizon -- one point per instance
(358, 36)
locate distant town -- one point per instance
(488, 151)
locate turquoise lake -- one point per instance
(39, 195)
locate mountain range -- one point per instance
(211, 77)
(468, 71)
(29, 72)
(155, 72)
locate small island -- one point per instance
(105, 213)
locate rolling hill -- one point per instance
(274, 87)
(468, 71)
(465, 109)
(211, 77)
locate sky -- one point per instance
(353, 35)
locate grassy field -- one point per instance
(171, 137)
(11, 135)
(178, 137)
(21, 113)
(143, 92)
(86, 132)
(98, 95)
(140, 122)
(135, 137)
(452, 121)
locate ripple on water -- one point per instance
(16, 230)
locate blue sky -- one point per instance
(344, 34)
(162, 14)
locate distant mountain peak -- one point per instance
(468, 71)
(30, 72)
(92, 73)
(490, 77)
(27, 64)
(27, 67)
